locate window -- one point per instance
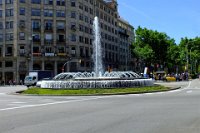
(81, 39)
(48, 25)
(9, 1)
(9, 24)
(21, 50)
(48, 37)
(61, 50)
(73, 26)
(60, 13)
(35, 12)
(81, 6)
(9, 51)
(36, 1)
(36, 37)
(9, 36)
(60, 2)
(9, 12)
(73, 38)
(73, 3)
(48, 13)
(81, 27)
(81, 17)
(8, 64)
(22, 11)
(61, 38)
(48, 49)
(22, 23)
(73, 51)
(86, 8)
(1, 37)
(1, 13)
(35, 24)
(73, 14)
(36, 50)
(21, 36)
(1, 25)
(60, 25)
(22, 1)
(48, 2)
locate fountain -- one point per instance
(98, 78)
(97, 50)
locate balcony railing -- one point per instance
(47, 41)
(61, 41)
(8, 54)
(60, 29)
(48, 28)
(36, 28)
(37, 40)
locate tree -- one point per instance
(153, 46)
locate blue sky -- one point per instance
(177, 18)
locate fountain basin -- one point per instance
(96, 83)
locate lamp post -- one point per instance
(31, 54)
(68, 61)
(63, 67)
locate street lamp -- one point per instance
(63, 67)
(68, 61)
(31, 54)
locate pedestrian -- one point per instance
(10, 82)
(14, 82)
(21, 82)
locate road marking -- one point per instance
(46, 104)
(190, 91)
(2, 93)
(18, 102)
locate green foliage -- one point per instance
(155, 47)
(39, 91)
(190, 50)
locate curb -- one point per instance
(106, 94)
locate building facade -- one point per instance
(45, 34)
(126, 39)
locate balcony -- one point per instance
(48, 28)
(36, 29)
(123, 32)
(48, 41)
(22, 54)
(61, 41)
(8, 54)
(36, 40)
(60, 29)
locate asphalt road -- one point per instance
(167, 112)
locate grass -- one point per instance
(113, 91)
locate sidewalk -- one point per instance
(172, 84)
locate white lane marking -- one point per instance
(190, 91)
(189, 85)
(18, 102)
(46, 104)
(2, 93)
